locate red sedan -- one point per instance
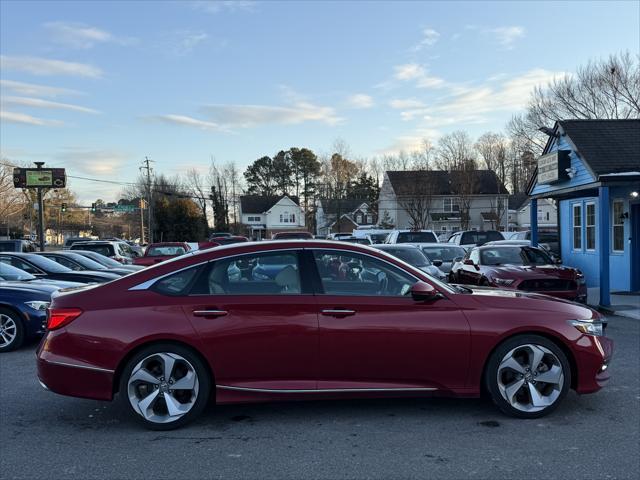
(208, 325)
(159, 252)
(519, 267)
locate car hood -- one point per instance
(532, 271)
(433, 271)
(527, 301)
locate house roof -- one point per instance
(331, 206)
(608, 146)
(408, 183)
(517, 200)
(262, 203)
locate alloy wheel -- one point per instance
(8, 330)
(163, 387)
(530, 378)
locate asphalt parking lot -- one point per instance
(44, 435)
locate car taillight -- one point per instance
(59, 317)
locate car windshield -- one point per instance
(444, 253)
(412, 256)
(105, 249)
(514, 256)
(480, 238)
(46, 264)
(167, 250)
(101, 259)
(11, 273)
(84, 261)
(416, 237)
(9, 246)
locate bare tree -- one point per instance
(196, 187)
(608, 88)
(417, 198)
(11, 199)
(456, 152)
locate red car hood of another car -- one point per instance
(527, 272)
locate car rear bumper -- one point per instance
(71, 377)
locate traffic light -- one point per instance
(63, 207)
(93, 208)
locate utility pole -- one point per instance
(147, 168)
(141, 205)
(40, 211)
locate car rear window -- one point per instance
(167, 250)
(7, 247)
(106, 250)
(480, 238)
(416, 237)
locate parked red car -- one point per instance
(170, 338)
(159, 252)
(519, 267)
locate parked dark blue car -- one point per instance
(23, 314)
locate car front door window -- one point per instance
(347, 273)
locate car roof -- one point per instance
(390, 246)
(434, 244)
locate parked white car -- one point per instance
(412, 236)
(475, 238)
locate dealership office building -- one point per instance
(592, 169)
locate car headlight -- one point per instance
(505, 282)
(580, 278)
(38, 305)
(588, 327)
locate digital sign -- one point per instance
(39, 177)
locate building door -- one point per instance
(635, 247)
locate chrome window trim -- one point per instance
(326, 390)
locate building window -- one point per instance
(369, 219)
(443, 228)
(591, 225)
(286, 217)
(292, 218)
(359, 218)
(618, 226)
(547, 216)
(450, 205)
(577, 226)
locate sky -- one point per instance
(96, 86)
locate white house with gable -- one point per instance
(262, 216)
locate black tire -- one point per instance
(484, 282)
(491, 374)
(18, 339)
(204, 385)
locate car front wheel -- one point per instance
(165, 386)
(528, 376)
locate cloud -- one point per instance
(39, 103)
(188, 122)
(44, 66)
(360, 100)
(429, 38)
(82, 36)
(24, 119)
(411, 142)
(246, 116)
(32, 90)
(506, 36)
(215, 7)
(408, 71)
(91, 161)
(419, 74)
(185, 41)
(402, 103)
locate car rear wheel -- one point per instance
(528, 376)
(11, 330)
(165, 386)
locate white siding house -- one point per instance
(262, 216)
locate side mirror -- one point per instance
(457, 259)
(437, 263)
(423, 291)
(468, 261)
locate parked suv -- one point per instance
(25, 246)
(547, 238)
(411, 236)
(71, 240)
(474, 238)
(119, 251)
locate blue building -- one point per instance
(592, 169)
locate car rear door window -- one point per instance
(349, 273)
(273, 273)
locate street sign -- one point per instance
(39, 178)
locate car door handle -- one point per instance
(209, 313)
(338, 312)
